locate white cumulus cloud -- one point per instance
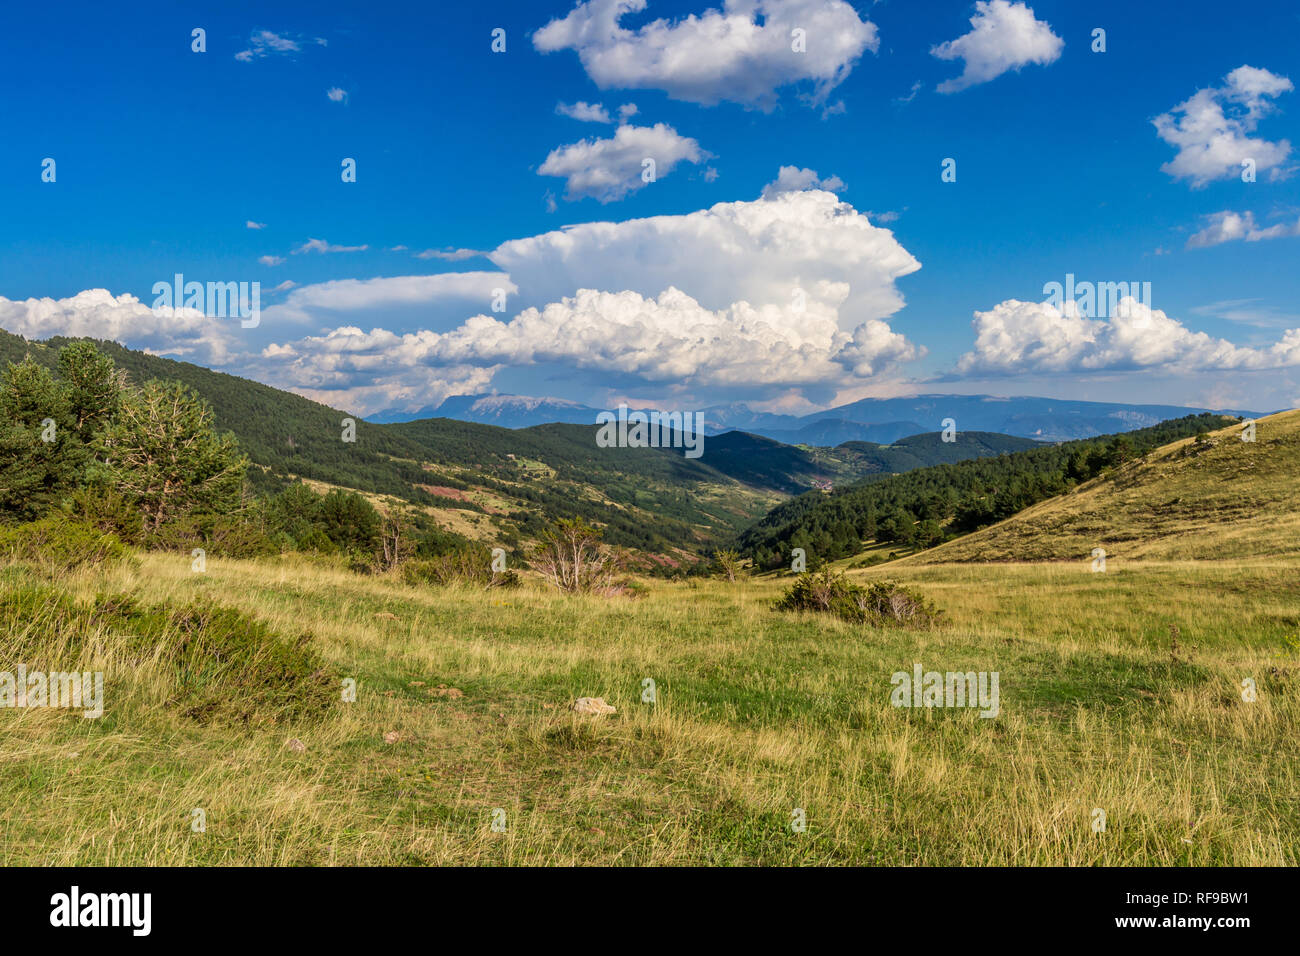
(608, 169)
(742, 53)
(1020, 337)
(1212, 130)
(670, 339)
(757, 251)
(792, 179)
(784, 292)
(1229, 226)
(1004, 36)
(96, 313)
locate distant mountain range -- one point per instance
(881, 420)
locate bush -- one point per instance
(878, 603)
(107, 510)
(225, 536)
(467, 565)
(226, 665)
(230, 666)
(349, 520)
(60, 544)
(726, 564)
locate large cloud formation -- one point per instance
(784, 292)
(1212, 129)
(670, 339)
(758, 251)
(96, 313)
(1015, 337)
(742, 53)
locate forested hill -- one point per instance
(481, 481)
(284, 432)
(488, 482)
(927, 506)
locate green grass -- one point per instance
(759, 712)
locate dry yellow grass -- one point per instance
(759, 714)
(1225, 499)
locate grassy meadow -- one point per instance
(758, 713)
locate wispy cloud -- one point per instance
(264, 43)
(449, 255)
(584, 112)
(323, 246)
(1253, 312)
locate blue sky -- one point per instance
(164, 156)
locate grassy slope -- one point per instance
(1232, 499)
(759, 712)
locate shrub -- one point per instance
(107, 510)
(227, 536)
(60, 544)
(467, 565)
(878, 603)
(225, 665)
(230, 666)
(349, 520)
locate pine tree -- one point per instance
(163, 453)
(41, 457)
(93, 386)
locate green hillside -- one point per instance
(1214, 498)
(929, 449)
(925, 506)
(796, 468)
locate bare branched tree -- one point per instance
(571, 556)
(395, 539)
(728, 564)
